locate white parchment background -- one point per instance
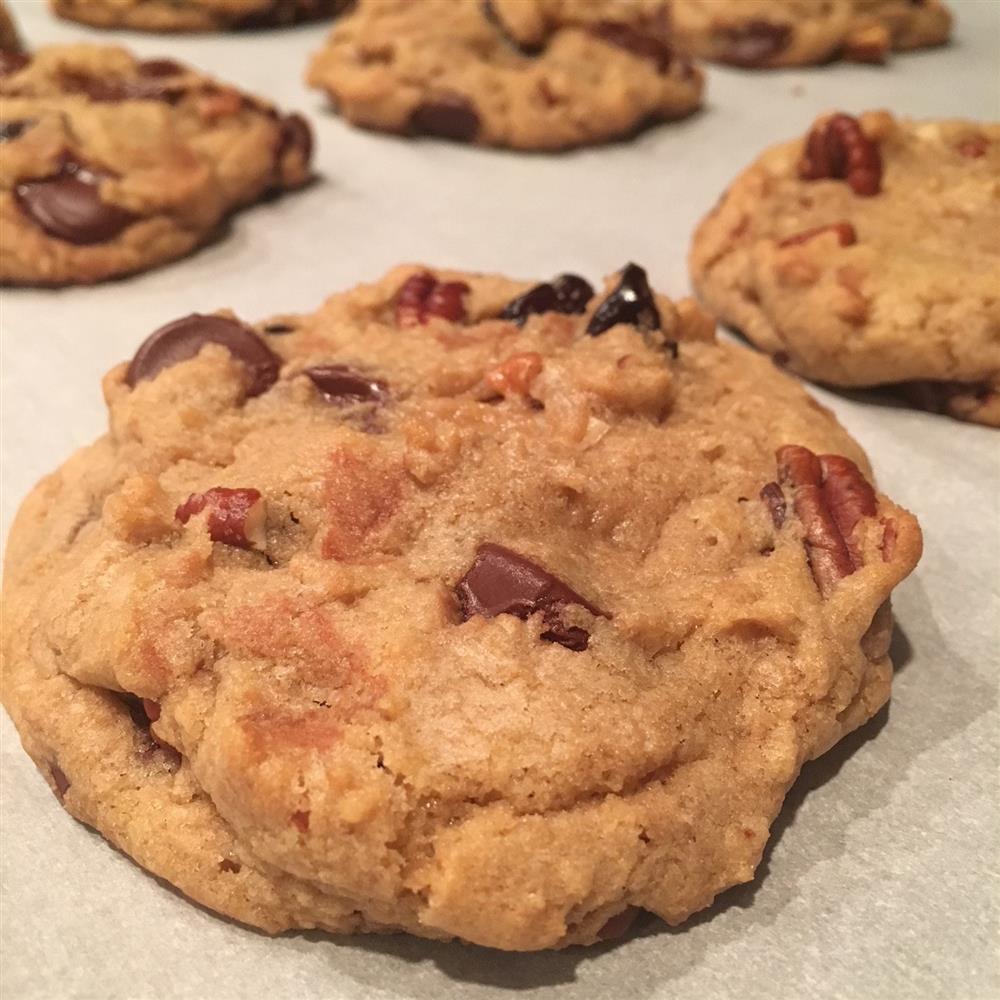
(881, 882)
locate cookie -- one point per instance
(463, 606)
(192, 15)
(763, 34)
(528, 74)
(113, 165)
(868, 253)
(10, 42)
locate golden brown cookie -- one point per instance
(868, 253)
(113, 165)
(193, 15)
(461, 606)
(768, 33)
(529, 74)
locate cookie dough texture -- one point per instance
(528, 74)
(349, 753)
(192, 15)
(113, 165)
(771, 33)
(912, 299)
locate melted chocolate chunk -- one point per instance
(12, 129)
(501, 582)
(566, 294)
(184, 338)
(341, 384)
(631, 301)
(753, 43)
(11, 62)
(68, 206)
(639, 44)
(450, 116)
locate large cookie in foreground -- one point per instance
(461, 606)
(193, 15)
(868, 253)
(762, 34)
(529, 74)
(113, 165)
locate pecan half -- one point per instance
(838, 148)
(423, 296)
(235, 516)
(844, 231)
(830, 496)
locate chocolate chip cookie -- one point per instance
(868, 253)
(113, 164)
(462, 606)
(193, 15)
(529, 74)
(767, 33)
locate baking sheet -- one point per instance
(881, 881)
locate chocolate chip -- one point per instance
(295, 135)
(160, 67)
(449, 116)
(11, 62)
(184, 338)
(566, 294)
(753, 43)
(501, 582)
(12, 129)
(630, 302)
(638, 43)
(279, 329)
(69, 206)
(60, 780)
(339, 383)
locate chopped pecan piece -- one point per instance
(423, 296)
(844, 231)
(974, 146)
(774, 500)
(837, 148)
(235, 516)
(830, 495)
(513, 377)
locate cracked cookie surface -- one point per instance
(192, 15)
(462, 606)
(866, 254)
(113, 165)
(528, 74)
(771, 33)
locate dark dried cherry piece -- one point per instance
(566, 294)
(630, 301)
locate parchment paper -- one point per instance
(881, 882)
